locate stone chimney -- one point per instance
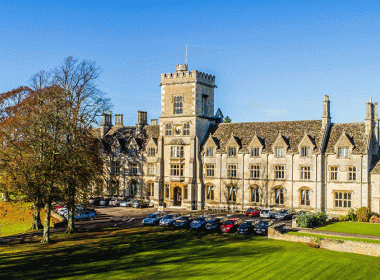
(154, 122)
(369, 117)
(326, 118)
(118, 119)
(106, 124)
(141, 119)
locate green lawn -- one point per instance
(156, 253)
(334, 237)
(353, 227)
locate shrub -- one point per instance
(363, 214)
(312, 220)
(351, 215)
(374, 219)
(342, 218)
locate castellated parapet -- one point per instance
(182, 75)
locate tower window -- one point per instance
(186, 129)
(204, 104)
(168, 129)
(178, 105)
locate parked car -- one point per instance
(283, 215)
(262, 228)
(246, 228)
(126, 203)
(84, 215)
(198, 223)
(168, 219)
(268, 213)
(114, 202)
(253, 212)
(139, 204)
(231, 225)
(104, 202)
(182, 222)
(153, 219)
(214, 224)
(94, 201)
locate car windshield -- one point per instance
(182, 219)
(246, 224)
(199, 219)
(229, 222)
(168, 217)
(264, 211)
(152, 216)
(282, 212)
(262, 223)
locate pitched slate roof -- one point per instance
(355, 132)
(124, 134)
(268, 132)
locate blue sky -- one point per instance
(273, 60)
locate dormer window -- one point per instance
(209, 151)
(232, 151)
(255, 152)
(305, 151)
(178, 105)
(151, 152)
(279, 151)
(343, 152)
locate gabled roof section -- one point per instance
(307, 141)
(152, 142)
(351, 133)
(293, 131)
(281, 141)
(257, 142)
(219, 114)
(211, 142)
(233, 142)
(344, 141)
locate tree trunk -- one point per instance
(71, 207)
(37, 224)
(5, 196)
(46, 235)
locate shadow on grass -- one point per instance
(124, 252)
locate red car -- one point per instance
(231, 225)
(254, 212)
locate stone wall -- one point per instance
(370, 249)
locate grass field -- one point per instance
(16, 217)
(353, 227)
(334, 237)
(156, 253)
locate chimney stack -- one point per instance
(106, 124)
(141, 119)
(326, 118)
(154, 122)
(119, 119)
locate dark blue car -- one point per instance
(182, 222)
(198, 223)
(246, 228)
(213, 224)
(262, 228)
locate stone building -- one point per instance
(190, 159)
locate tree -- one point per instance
(227, 120)
(85, 102)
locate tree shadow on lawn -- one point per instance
(124, 253)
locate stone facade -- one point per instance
(192, 160)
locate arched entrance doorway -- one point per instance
(177, 196)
